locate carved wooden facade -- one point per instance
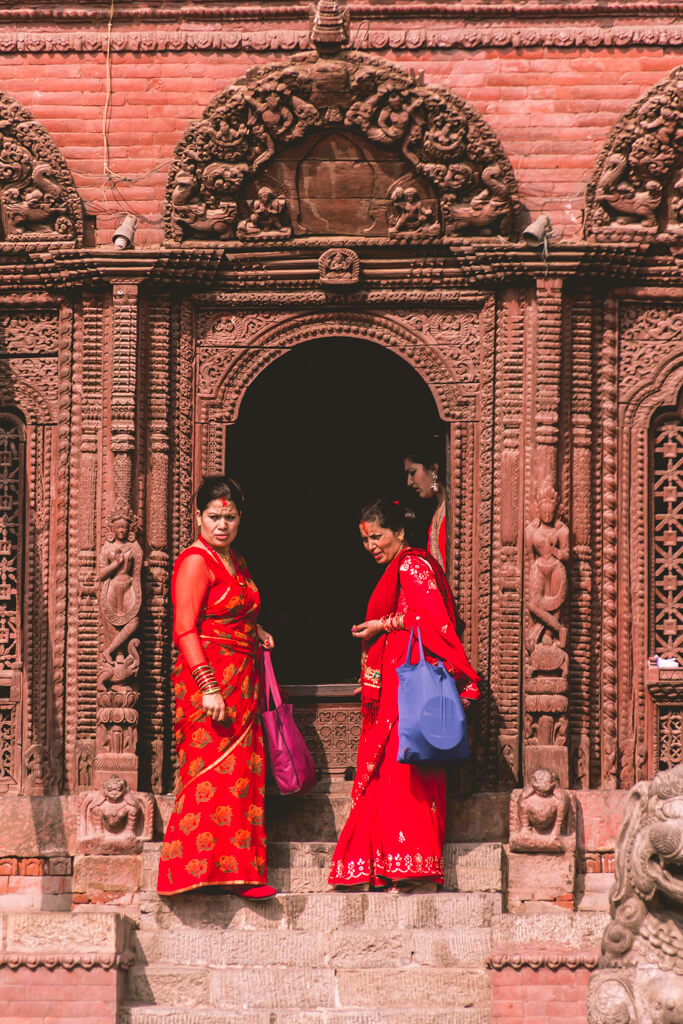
(559, 382)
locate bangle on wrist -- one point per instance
(205, 679)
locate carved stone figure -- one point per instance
(120, 599)
(266, 216)
(640, 978)
(542, 816)
(487, 211)
(114, 820)
(545, 699)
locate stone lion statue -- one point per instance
(640, 980)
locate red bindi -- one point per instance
(365, 529)
(225, 503)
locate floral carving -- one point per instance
(458, 181)
(637, 188)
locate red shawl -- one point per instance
(384, 601)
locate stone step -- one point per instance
(326, 912)
(303, 988)
(212, 1015)
(304, 867)
(344, 947)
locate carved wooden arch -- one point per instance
(636, 191)
(247, 363)
(38, 199)
(456, 180)
(659, 386)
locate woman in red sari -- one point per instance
(216, 834)
(395, 832)
(422, 474)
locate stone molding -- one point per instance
(536, 959)
(285, 40)
(67, 961)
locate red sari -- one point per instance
(397, 822)
(216, 834)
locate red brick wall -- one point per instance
(58, 996)
(542, 996)
(552, 108)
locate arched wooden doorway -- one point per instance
(321, 431)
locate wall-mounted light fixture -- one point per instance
(538, 233)
(125, 232)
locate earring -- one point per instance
(435, 482)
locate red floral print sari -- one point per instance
(396, 827)
(216, 834)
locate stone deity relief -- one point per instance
(640, 976)
(545, 699)
(38, 200)
(637, 188)
(542, 816)
(120, 602)
(114, 819)
(419, 161)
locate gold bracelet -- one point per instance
(205, 679)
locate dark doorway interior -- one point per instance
(320, 432)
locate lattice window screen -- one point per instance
(668, 539)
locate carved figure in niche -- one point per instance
(120, 599)
(547, 541)
(114, 820)
(640, 976)
(488, 211)
(266, 215)
(40, 775)
(282, 114)
(339, 266)
(84, 763)
(410, 217)
(541, 816)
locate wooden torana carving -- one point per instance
(637, 188)
(337, 143)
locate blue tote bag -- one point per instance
(431, 720)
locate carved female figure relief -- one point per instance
(120, 599)
(547, 541)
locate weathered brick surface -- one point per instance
(542, 996)
(58, 996)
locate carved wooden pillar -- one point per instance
(120, 562)
(583, 669)
(546, 701)
(156, 330)
(506, 606)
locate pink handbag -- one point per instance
(291, 763)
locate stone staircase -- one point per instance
(315, 956)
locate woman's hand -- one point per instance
(265, 639)
(368, 630)
(214, 705)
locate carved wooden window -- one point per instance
(11, 558)
(667, 539)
